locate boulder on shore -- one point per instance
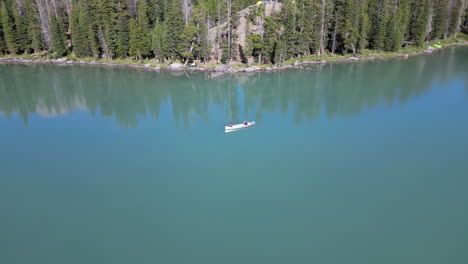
(176, 66)
(252, 69)
(223, 68)
(429, 50)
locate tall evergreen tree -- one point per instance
(381, 16)
(34, 29)
(9, 32)
(419, 20)
(3, 47)
(289, 24)
(58, 36)
(159, 41)
(364, 25)
(175, 26)
(350, 33)
(79, 32)
(270, 40)
(21, 28)
(140, 38)
(439, 19)
(122, 32)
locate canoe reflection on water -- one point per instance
(237, 130)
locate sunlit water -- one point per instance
(349, 163)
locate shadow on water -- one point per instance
(338, 90)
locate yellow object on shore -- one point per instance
(259, 2)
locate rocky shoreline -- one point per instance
(222, 69)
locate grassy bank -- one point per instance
(361, 55)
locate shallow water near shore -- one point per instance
(349, 163)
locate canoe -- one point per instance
(240, 126)
(437, 46)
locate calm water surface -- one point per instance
(349, 163)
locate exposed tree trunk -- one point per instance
(54, 6)
(68, 8)
(186, 10)
(429, 22)
(45, 22)
(461, 12)
(449, 18)
(229, 7)
(105, 48)
(191, 49)
(322, 30)
(334, 35)
(208, 34)
(395, 6)
(20, 7)
(218, 34)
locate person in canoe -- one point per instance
(246, 122)
(230, 124)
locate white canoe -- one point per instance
(240, 126)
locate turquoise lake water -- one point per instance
(348, 163)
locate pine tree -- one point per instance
(3, 47)
(204, 46)
(289, 24)
(21, 28)
(140, 38)
(175, 26)
(189, 39)
(9, 32)
(439, 19)
(79, 32)
(455, 18)
(133, 43)
(350, 34)
(34, 29)
(397, 26)
(306, 25)
(380, 20)
(419, 20)
(364, 25)
(122, 33)
(58, 36)
(465, 23)
(156, 11)
(159, 41)
(270, 40)
(107, 27)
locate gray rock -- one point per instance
(222, 68)
(405, 56)
(61, 60)
(147, 64)
(268, 69)
(176, 66)
(252, 69)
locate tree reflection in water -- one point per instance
(337, 90)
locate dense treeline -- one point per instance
(223, 30)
